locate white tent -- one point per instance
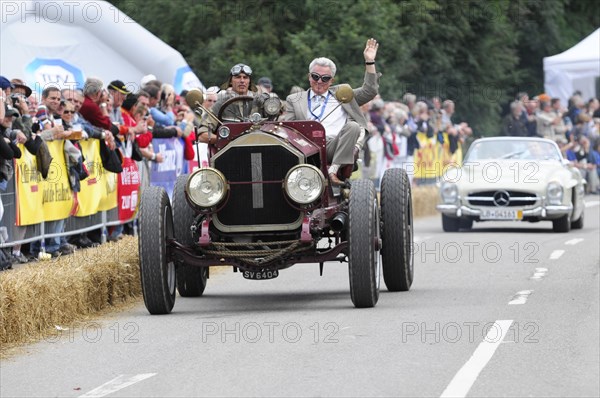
(574, 69)
(63, 42)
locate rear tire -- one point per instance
(450, 224)
(191, 280)
(156, 268)
(397, 230)
(363, 244)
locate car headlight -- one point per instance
(206, 187)
(272, 106)
(449, 192)
(554, 193)
(304, 183)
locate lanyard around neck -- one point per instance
(322, 107)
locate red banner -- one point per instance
(128, 189)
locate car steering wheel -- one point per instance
(245, 99)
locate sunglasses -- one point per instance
(241, 68)
(324, 78)
(67, 112)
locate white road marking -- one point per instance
(520, 298)
(116, 384)
(591, 204)
(573, 241)
(555, 255)
(417, 239)
(539, 273)
(466, 376)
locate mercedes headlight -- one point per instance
(206, 187)
(304, 183)
(554, 193)
(449, 192)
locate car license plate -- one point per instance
(501, 214)
(260, 275)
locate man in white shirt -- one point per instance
(345, 128)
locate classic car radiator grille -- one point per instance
(256, 197)
(502, 198)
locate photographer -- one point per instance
(20, 94)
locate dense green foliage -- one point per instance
(478, 53)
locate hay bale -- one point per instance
(424, 199)
(36, 297)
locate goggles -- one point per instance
(241, 68)
(324, 78)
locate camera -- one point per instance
(17, 98)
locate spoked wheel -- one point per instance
(156, 268)
(363, 244)
(191, 280)
(397, 230)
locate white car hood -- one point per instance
(519, 175)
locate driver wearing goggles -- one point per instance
(239, 83)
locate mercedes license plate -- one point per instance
(261, 274)
(501, 214)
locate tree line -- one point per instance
(475, 52)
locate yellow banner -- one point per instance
(57, 198)
(108, 181)
(52, 199)
(29, 190)
(433, 158)
(92, 188)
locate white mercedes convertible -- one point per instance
(512, 179)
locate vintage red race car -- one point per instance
(265, 204)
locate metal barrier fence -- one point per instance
(12, 234)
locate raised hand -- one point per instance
(370, 52)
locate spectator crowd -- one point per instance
(575, 128)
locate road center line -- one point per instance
(539, 273)
(466, 376)
(591, 204)
(520, 298)
(574, 241)
(116, 384)
(555, 255)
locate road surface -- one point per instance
(508, 309)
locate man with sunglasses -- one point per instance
(239, 84)
(345, 125)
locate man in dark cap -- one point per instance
(5, 85)
(265, 84)
(119, 91)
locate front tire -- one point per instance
(562, 224)
(397, 230)
(191, 280)
(363, 244)
(156, 268)
(578, 224)
(450, 224)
